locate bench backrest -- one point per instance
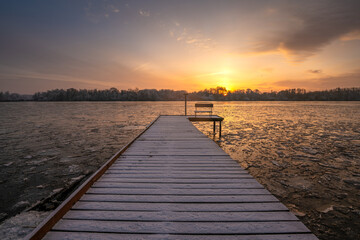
(204, 105)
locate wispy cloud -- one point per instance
(98, 10)
(191, 37)
(144, 13)
(315, 71)
(142, 67)
(354, 35)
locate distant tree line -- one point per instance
(7, 97)
(221, 94)
(212, 94)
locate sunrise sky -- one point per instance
(180, 45)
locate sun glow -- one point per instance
(225, 79)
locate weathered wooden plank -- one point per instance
(179, 158)
(170, 153)
(175, 146)
(179, 149)
(176, 150)
(181, 128)
(177, 168)
(181, 207)
(168, 174)
(202, 143)
(177, 163)
(160, 163)
(177, 198)
(181, 216)
(177, 185)
(177, 135)
(180, 227)
(173, 164)
(188, 159)
(149, 138)
(174, 172)
(180, 166)
(176, 159)
(116, 236)
(184, 192)
(170, 170)
(196, 150)
(225, 166)
(166, 125)
(171, 180)
(166, 177)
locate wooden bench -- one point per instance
(209, 107)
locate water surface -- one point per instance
(306, 153)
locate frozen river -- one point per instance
(306, 153)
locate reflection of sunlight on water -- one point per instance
(254, 132)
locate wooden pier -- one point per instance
(172, 182)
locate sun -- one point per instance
(226, 83)
(225, 79)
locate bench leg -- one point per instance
(214, 127)
(219, 129)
